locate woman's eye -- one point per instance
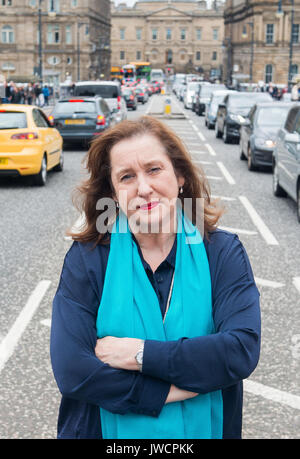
(154, 169)
(125, 177)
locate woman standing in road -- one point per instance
(156, 319)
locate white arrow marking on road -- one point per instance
(275, 395)
(258, 222)
(225, 172)
(10, 341)
(296, 282)
(268, 283)
(238, 230)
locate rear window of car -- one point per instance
(105, 91)
(13, 120)
(76, 107)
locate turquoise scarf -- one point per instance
(130, 308)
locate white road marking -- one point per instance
(46, 322)
(201, 136)
(275, 395)
(225, 172)
(213, 177)
(211, 150)
(268, 283)
(10, 341)
(296, 282)
(238, 230)
(258, 222)
(224, 198)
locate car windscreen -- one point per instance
(105, 91)
(193, 86)
(13, 120)
(75, 107)
(272, 116)
(241, 102)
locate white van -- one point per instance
(157, 75)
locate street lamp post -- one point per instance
(40, 43)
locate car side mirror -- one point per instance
(222, 105)
(292, 137)
(246, 122)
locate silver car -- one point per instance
(286, 158)
(191, 88)
(108, 90)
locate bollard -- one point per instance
(167, 106)
(163, 90)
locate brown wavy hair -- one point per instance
(99, 184)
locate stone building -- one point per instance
(75, 39)
(261, 44)
(183, 35)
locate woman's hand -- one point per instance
(178, 395)
(118, 352)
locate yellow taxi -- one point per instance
(29, 145)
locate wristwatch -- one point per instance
(139, 356)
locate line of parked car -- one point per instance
(268, 131)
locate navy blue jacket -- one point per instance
(202, 364)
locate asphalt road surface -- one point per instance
(33, 245)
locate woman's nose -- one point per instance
(144, 187)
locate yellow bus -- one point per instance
(116, 73)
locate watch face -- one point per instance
(139, 357)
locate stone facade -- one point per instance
(177, 34)
(65, 24)
(255, 32)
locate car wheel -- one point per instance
(242, 154)
(277, 189)
(40, 179)
(60, 166)
(226, 137)
(251, 166)
(218, 133)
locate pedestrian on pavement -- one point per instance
(46, 94)
(156, 318)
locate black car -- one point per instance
(259, 131)
(130, 98)
(233, 110)
(203, 96)
(80, 119)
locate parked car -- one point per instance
(196, 95)
(81, 119)
(108, 90)
(212, 107)
(203, 96)
(286, 158)
(259, 131)
(130, 98)
(141, 94)
(29, 144)
(233, 110)
(191, 88)
(179, 79)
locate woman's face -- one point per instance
(145, 183)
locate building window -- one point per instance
(169, 56)
(138, 34)
(182, 55)
(53, 36)
(215, 34)
(214, 55)
(7, 35)
(138, 55)
(69, 60)
(122, 34)
(269, 33)
(183, 34)
(32, 3)
(6, 2)
(268, 73)
(122, 55)
(295, 33)
(168, 34)
(68, 35)
(53, 6)
(198, 56)
(199, 34)
(154, 34)
(74, 3)
(54, 60)
(294, 70)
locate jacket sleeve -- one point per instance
(78, 372)
(208, 363)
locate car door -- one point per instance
(50, 137)
(288, 153)
(249, 129)
(293, 159)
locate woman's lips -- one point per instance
(149, 205)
